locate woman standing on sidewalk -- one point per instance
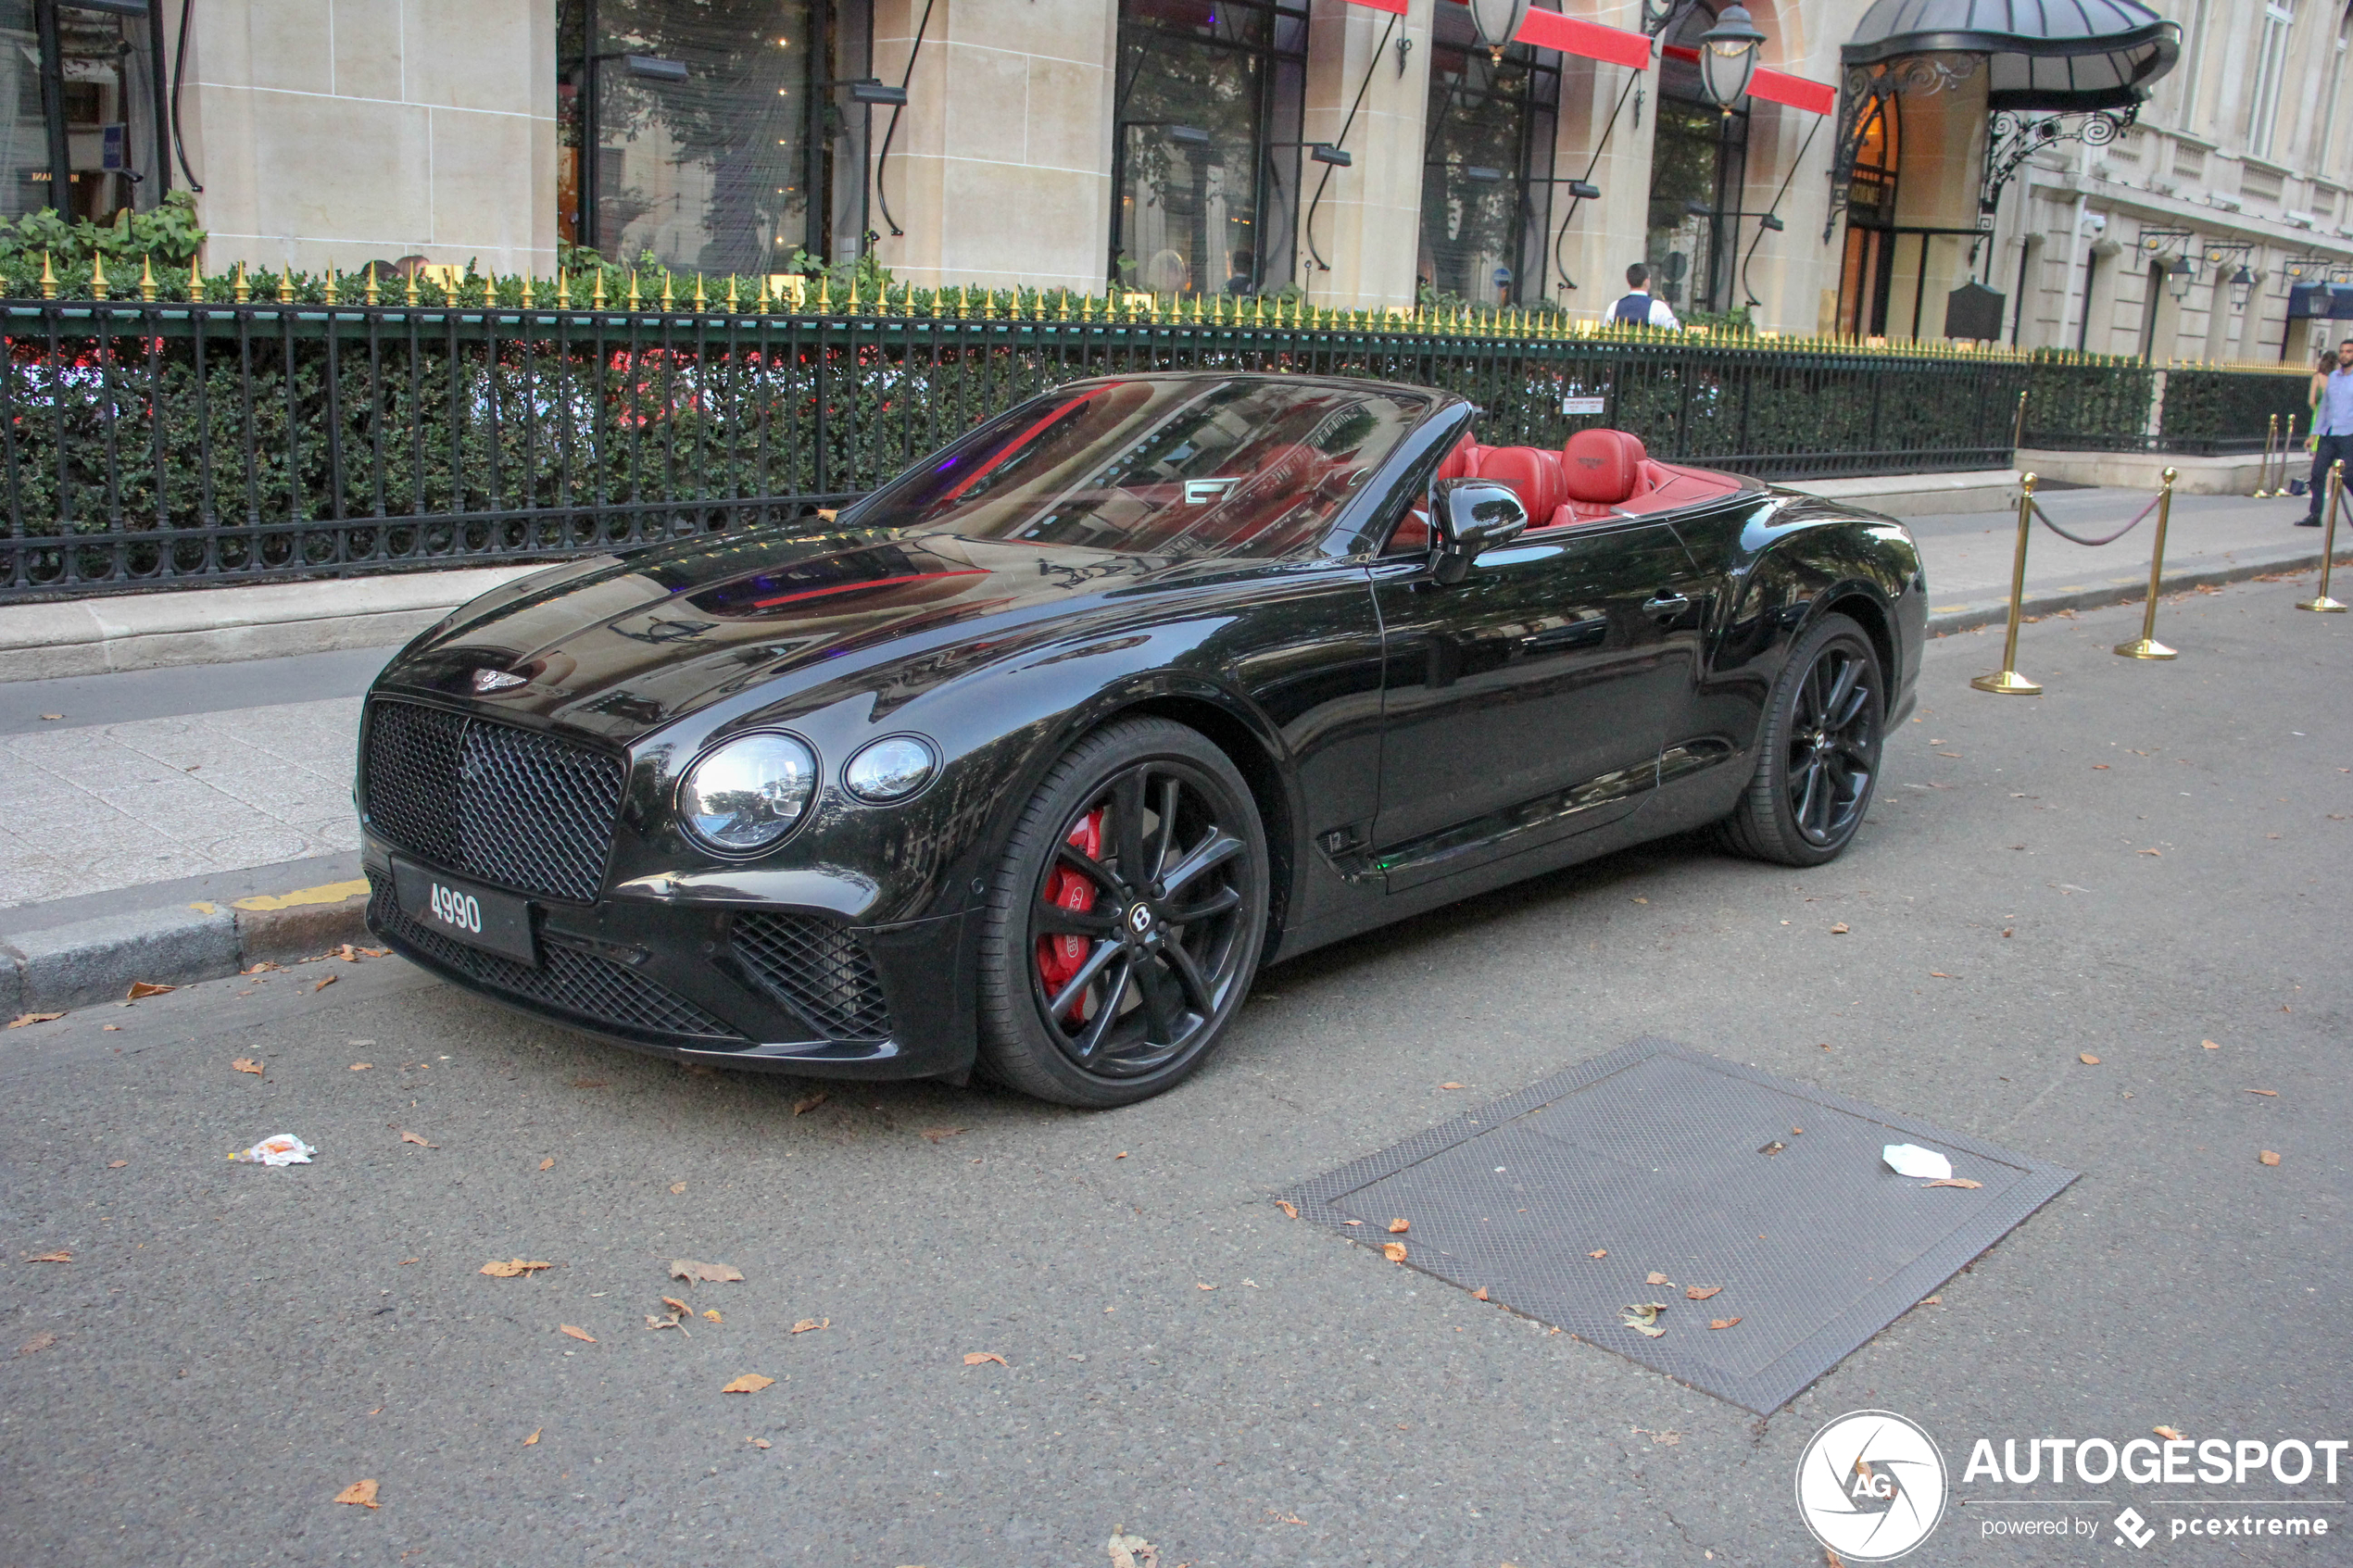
(2332, 425)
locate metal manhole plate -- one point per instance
(1652, 1155)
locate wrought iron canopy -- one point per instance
(2062, 54)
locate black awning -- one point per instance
(2041, 54)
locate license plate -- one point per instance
(497, 922)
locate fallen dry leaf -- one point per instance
(548, 1163)
(1643, 1318)
(262, 968)
(811, 1325)
(2268, 1157)
(713, 1273)
(38, 1343)
(712, 1316)
(2267, 1094)
(1598, 1252)
(2209, 1045)
(363, 1493)
(511, 1268)
(535, 1435)
(408, 1137)
(1938, 974)
(1931, 1300)
(761, 1443)
(677, 1188)
(361, 1066)
(141, 990)
(1400, 1226)
(1480, 1295)
(1393, 1250)
(2158, 853)
(1198, 1287)
(24, 1018)
(1839, 930)
(325, 982)
(677, 1306)
(2099, 767)
(2167, 1434)
(1953, 1181)
(2087, 1058)
(1121, 1155)
(60, 1256)
(1832, 1558)
(973, 1357)
(803, 1107)
(52, 716)
(580, 1334)
(247, 1064)
(1657, 1278)
(940, 1134)
(1288, 1207)
(116, 1164)
(750, 1383)
(1450, 1085)
(1722, 1323)
(1700, 1292)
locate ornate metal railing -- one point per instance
(153, 443)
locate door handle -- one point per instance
(1666, 604)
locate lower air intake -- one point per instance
(820, 968)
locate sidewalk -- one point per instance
(174, 824)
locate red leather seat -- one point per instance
(1463, 462)
(1530, 473)
(1602, 467)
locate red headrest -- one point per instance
(1602, 466)
(1530, 473)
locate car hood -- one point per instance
(622, 646)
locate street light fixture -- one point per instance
(2243, 284)
(1498, 22)
(2180, 273)
(1728, 56)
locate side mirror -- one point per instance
(1473, 516)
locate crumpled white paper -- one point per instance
(1911, 1159)
(282, 1149)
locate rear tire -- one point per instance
(1123, 928)
(1818, 758)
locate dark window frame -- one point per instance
(1538, 104)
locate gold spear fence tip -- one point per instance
(97, 276)
(370, 292)
(147, 277)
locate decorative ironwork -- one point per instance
(2013, 137)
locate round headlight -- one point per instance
(891, 769)
(749, 793)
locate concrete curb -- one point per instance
(98, 961)
(1995, 612)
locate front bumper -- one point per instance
(733, 986)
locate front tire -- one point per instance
(1819, 757)
(1123, 928)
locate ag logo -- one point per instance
(1870, 1485)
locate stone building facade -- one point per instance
(1179, 146)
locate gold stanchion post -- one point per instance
(2263, 470)
(2320, 601)
(2008, 681)
(2146, 646)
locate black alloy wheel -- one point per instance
(1126, 923)
(1820, 753)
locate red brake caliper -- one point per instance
(1059, 957)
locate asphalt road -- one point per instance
(233, 1345)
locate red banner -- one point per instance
(1775, 86)
(1591, 41)
(1395, 6)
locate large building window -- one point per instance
(1205, 154)
(1699, 162)
(78, 114)
(1486, 195)
(713, 134)
(2270, 71)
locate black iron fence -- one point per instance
(149, 443)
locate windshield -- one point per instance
(1185, 467)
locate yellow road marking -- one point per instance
(331, 893)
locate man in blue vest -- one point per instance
(2332, 429)
(1637, 308)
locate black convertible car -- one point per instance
(1032, 759)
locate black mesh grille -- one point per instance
(509, 806)
(568, 981)
(821, 969)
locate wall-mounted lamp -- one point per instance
(2243, 284)
(650, 67)
(1771, 220)
(2180, 273)
(870, 90)
(1479, 173)
(1324, 152)
(1728, 55)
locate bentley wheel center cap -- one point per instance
(1140, 920)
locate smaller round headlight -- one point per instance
(891, 769)
(749, 793)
